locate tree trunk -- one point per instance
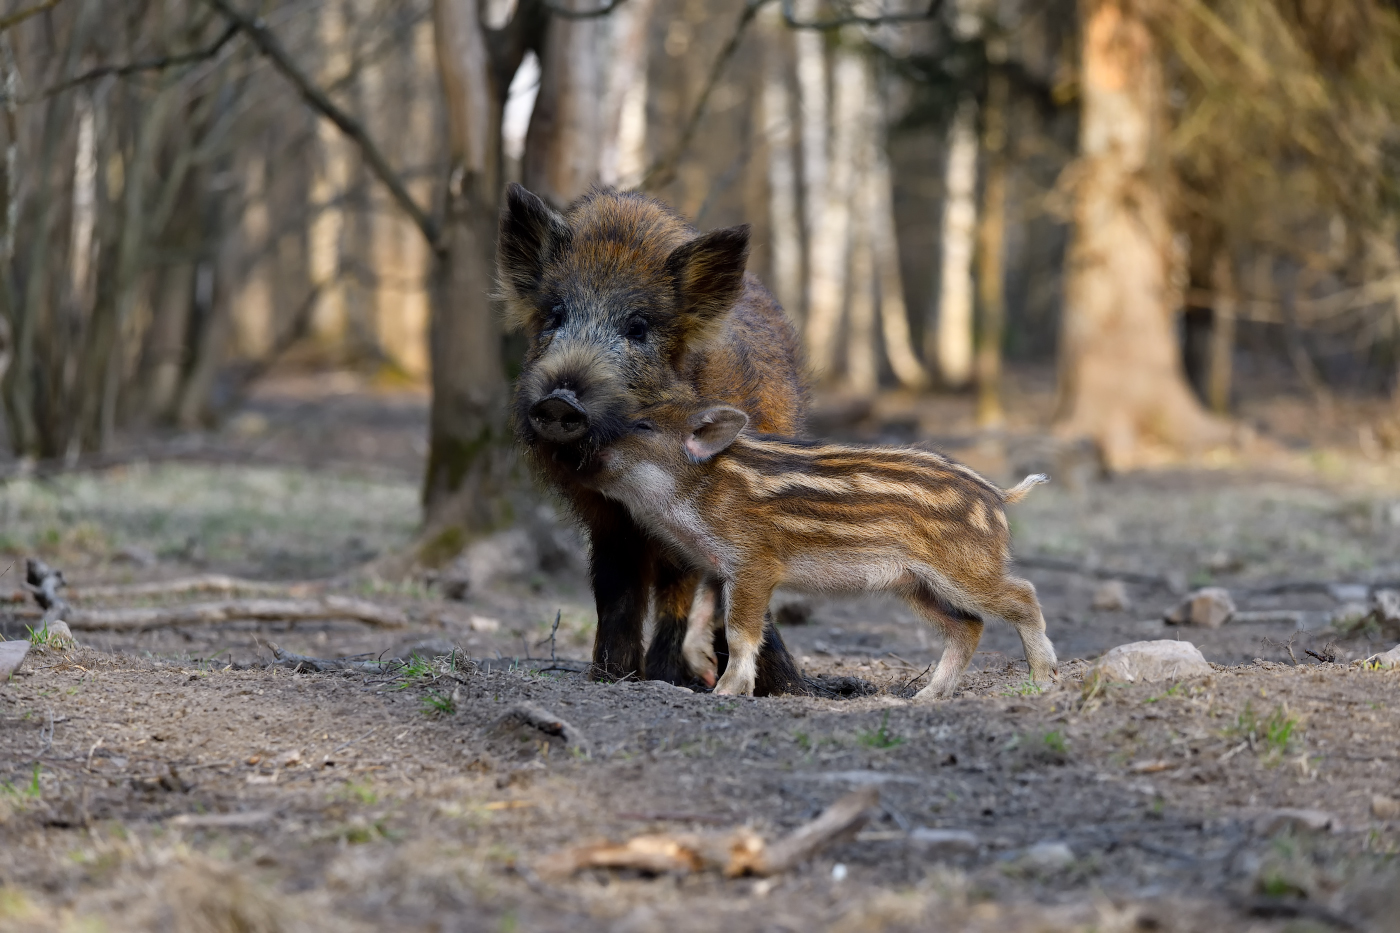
(952, 335)
(894, 313)
(1121, 379)
(808, 46)
(470, 460)
(991, 237)
(830, 240)
(563, 146)
(1219, 374)
(623, 156)
(784, 217)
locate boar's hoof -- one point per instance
(558, 417)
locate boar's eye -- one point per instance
(554, 318)
(637, 329)
(644, 427)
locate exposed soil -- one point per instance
(171, 780)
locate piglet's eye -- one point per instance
(637, 329)
(644, 427)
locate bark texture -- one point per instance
(1121, 378)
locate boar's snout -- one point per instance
(559, 418)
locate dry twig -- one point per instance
(735, 853)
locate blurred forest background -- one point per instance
(1154, 210)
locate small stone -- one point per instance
(1049, 856)
(1385, 606)
(60, 635)
(12, 655)
(1288, 818)
(1112, 596)
(949, 841)
(1385, 660)
(1209, 607)
(483, 624)
(1385, 808)
(1223, 562)
(1147, 661)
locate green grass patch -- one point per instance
(880, 738)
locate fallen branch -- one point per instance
(204, 583)
(300, 662)
(734, 853)
(262, 610)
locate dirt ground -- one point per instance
(173, 779)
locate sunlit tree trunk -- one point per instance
(623, 158)
(330, 183)
(991, 244)
(813, 103)
(563, 147)
(783, 194)
(894, 313)
(952, 332)
(1121, 379)
(830, 239)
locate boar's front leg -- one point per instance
(674, 592)
(622, 565)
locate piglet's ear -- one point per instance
(709, 277)
(713, 430)
(531, 235)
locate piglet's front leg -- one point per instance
(746, 602)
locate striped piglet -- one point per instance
(754, 512)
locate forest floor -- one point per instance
(176, 779)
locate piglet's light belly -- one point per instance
(844, 571)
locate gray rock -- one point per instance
(526, 731)
(948, 841)
(1288, 818)
(1209, 607)
(1048, 856)
(1385, 660)
(12, 655)
(1385, 606)
(1147, 661)
(1112, 596)
(60, 635)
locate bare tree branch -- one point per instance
(19, 16)
(558, 9)
(854, 19)
(664, 168)
(150, 64)
(267, 43)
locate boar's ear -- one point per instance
(531, 234)
(713, 430)
(709, 276)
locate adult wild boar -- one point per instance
(624, 304)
